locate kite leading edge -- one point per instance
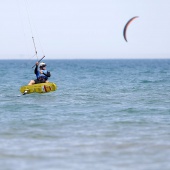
(126, 26)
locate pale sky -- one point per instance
(80, 29)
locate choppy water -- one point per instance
(105, 115)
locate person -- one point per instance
(42, 74)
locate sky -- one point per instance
(84, 29)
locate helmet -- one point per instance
(42, 65)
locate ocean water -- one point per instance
(105, 115)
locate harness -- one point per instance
(40, 76)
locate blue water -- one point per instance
(105, 115)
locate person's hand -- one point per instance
(41, 72)
(37, 63)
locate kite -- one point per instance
(126, 26)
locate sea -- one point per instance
(104, 115)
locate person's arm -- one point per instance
(36, 68)
(48, 74)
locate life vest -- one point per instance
(41, 76)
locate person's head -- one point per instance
(42, 66)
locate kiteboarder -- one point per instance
(42, 74)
